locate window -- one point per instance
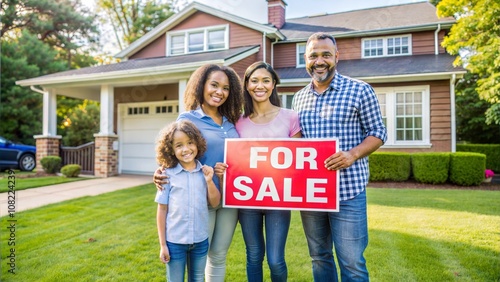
(197, 40)
(301, 50)
(405, 112)
(286, 100)
(138, 111)
(386, 46)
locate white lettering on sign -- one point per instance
(268, 189)
(303, 155)
(312, 190)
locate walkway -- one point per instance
(37, 197)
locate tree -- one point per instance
(66, 25)
(21, 108)
(131, 19)
(82, 124)
(475, 40)
(38, 37)
(470, 114)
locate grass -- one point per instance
(23, 182)
(415, 235)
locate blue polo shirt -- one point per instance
(214, 135)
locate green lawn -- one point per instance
(22, 182)
(415, 235)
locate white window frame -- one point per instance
(385, 46)
(391, 116)
(286, 98)
(185, 33)
(298, 57)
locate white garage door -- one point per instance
(138, 126)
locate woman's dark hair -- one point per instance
(193, 96)
(165, 153)
(274, 98)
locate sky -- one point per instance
(252, 9)
(296, 8)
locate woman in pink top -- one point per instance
(264, 118)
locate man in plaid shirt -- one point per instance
(333, 105)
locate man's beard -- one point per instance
(321, 78)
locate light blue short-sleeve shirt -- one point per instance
(186, 197)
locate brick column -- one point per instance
(106, 157)
(46, 146)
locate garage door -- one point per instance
(138, 126)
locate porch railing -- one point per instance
(82, 155)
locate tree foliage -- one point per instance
(81, 124)
(38, 37)
(470, 116)
(475, 40)
(131, 19)
(21, 108)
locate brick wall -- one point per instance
(106, 158)
(46, 146)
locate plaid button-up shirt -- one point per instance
(347, 110)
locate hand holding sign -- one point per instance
(280, 174)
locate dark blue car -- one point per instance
(16, 156)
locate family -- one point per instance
(191, 151)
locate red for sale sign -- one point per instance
(280, 174)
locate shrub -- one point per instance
(492, 152)
(71, 170)
(430, 167)
(467, 169)
(390, 166)
(51, 164)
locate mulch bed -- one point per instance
(416, 185)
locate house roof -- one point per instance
(367, 21)
(142, 66)
(189, 10)
(417, 65)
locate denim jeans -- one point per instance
(221, 225)
(192, 255)
(277, 223)
(347, 231)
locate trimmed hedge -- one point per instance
(492, 152)
(71, 170)
(51, 164)
(389, 166)
(430, 167)
(467, 169)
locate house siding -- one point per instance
(241, 66)
(141, 93)
(285, 55)
(157, 48)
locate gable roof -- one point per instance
(189, 10)
(141, 67)
(366, 22)
(430, 66)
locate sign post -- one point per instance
(280, 174)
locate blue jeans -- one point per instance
(277, 223)
(221, 225)
(347, 231)
(192, 255)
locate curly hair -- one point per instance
(193, 96)
(165, 153)
(274, 98)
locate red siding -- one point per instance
(157, 48)
(285, 55)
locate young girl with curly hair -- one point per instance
(182, 215)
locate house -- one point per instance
(397, 49)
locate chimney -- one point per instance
(276, 13)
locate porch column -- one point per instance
(46, 146)
(182, 88)
(106, 141)
(48, 143)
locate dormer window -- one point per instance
(386, 46)
(197, 40)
